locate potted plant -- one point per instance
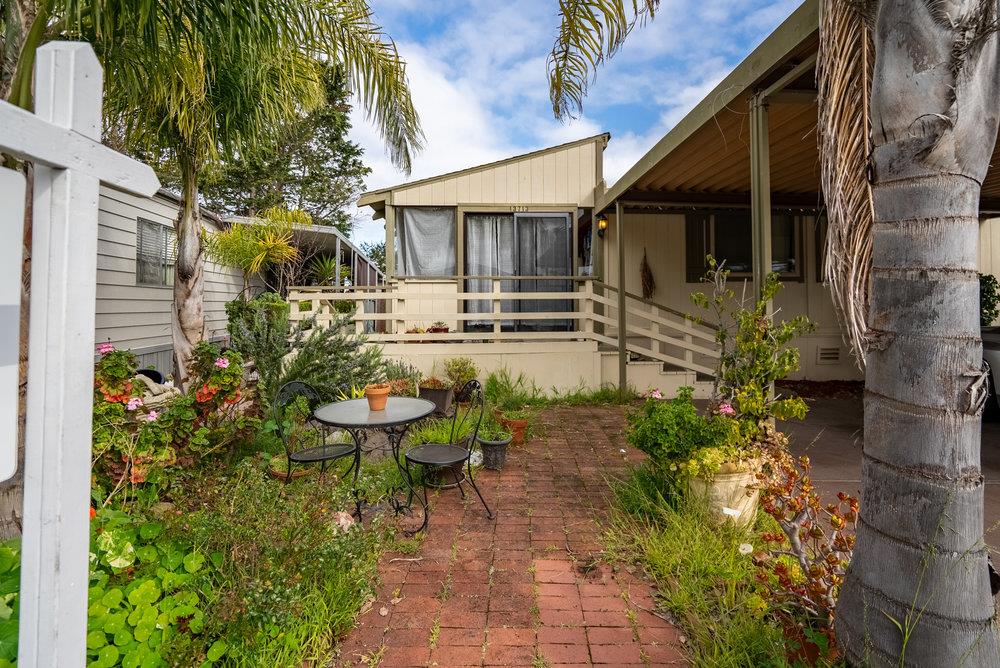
(460, 370)
(516, 420)
(703, 454)
(494, 438)
(377, 395)
(438, 327)
(437, 391)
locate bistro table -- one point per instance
(357, 419)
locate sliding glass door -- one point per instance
(524, 244)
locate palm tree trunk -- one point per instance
(188, 316)
(917, 591)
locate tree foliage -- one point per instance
(310, 165)
(376, 251)
(258, 246)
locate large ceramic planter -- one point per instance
(494, 453)
(725, 495)
(440, 397)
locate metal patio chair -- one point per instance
(316, 449)
(458, 452)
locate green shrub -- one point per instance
(460, 370)
(491, 430)
(679, 440)
(329, 358)
(989, 299)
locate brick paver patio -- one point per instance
(528, 589)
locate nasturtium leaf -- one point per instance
(143, 630)
(108, 656)
(123, 637)
(152, 660)
(147, 554)
(8, 559)
(167, 603)
(217, 559)
(114, 623)
(96, 640)
(150, 530)
(112, 598)
(217, 650)
(147, 593)
(193, 562)
(172, 559)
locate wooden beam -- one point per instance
(622, 313)
(790, 77)
(789, 96)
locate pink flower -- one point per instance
(151, 417)
(134, 403)
(105, 348)
(222, 362)
(656, 394)
(726, 408)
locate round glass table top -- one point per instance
(355, 413)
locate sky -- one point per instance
(477, 73)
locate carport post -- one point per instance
(760, 191)
(622, 331)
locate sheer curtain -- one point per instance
(489, 251)
(425, 242)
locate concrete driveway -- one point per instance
(831, 435)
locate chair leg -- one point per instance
(458, 483)
(427, 506)
(472, 481)
(356, 466)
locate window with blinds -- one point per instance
(155, 250)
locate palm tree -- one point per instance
(259, 246)
(917, 590)
(215, 98)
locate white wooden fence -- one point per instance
(62, 140)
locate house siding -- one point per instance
(562, 176)
(661, 236)
(134, 316)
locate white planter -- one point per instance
(725, 495)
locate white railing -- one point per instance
(401, 312)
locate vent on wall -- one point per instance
(828, 355)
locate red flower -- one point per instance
(93, 513)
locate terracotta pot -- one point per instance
(517, 428)
(726, 493)
(377, 395)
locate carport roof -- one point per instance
(705, 158)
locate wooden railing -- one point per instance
(400, 312)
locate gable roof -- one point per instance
(376, 198)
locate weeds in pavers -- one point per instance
(435, 634)
(446, 589)
(702, 578)
(375, 658)
(408, 546)
(539, 661)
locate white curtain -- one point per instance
(489, 251)
(425, 242)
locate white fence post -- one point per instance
(54, 566)
(62, 139)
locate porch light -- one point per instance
(602, 225)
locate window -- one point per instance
(155, 251)
(729, 236)
(425, 242)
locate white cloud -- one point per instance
(477, 72)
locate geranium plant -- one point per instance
(682, 442)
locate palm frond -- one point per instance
(844, 74)
(590, 31)
(348, 34)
